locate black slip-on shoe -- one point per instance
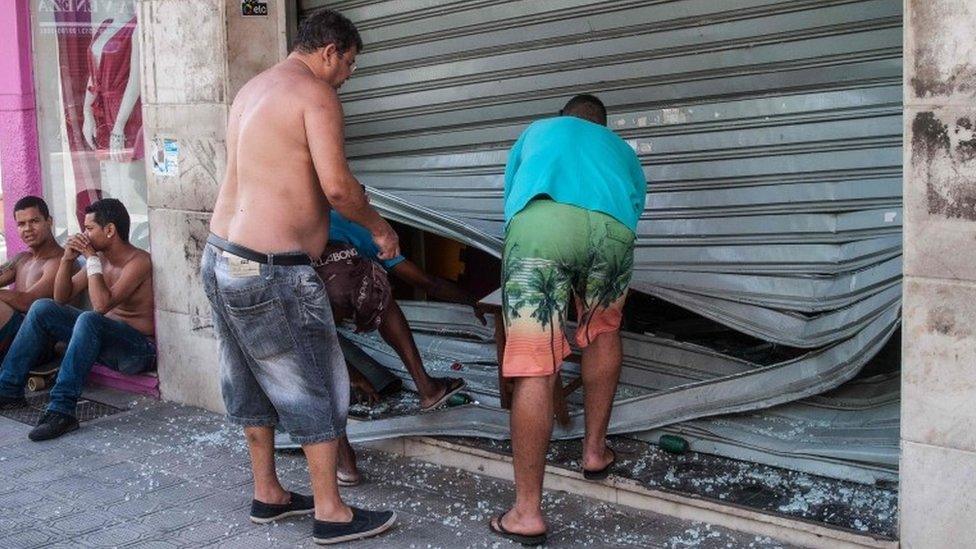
(266, 512)
(364, 524)
(7, 403)
(53, 425)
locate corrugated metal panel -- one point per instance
(770, 132)
(849, 433)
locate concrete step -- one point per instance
(627, 492)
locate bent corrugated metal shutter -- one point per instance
(770, 133)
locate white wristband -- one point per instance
(94, 265)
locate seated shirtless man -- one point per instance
(118, 333)
(32, 271)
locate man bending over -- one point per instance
(359, 290)
(117, 333)
(383, 313)
(573, 194)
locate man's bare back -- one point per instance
(286, 163)
(286, 168)
(270, 200)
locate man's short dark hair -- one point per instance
(111, 210)
(33, 202)
(587, 107)
(326, 27)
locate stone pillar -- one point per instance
(20, 162)
(196, 55)
(938, 465)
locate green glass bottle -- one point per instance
(673, 444)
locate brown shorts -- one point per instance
(358, 288)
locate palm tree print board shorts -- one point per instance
(555, 251)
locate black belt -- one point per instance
(288, 259)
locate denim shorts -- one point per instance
(280, 360)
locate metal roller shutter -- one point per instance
(770, 133)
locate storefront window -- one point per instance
(87, 69)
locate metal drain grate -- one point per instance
(36, 404)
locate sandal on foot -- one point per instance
(454, 386)
(528, 540)
(348, 481)
(601, 473)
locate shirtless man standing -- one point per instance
(279, 356)
(32, 271)
(118, 333)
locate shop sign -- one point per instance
(165, 157)
(254, 8)
(84, 6)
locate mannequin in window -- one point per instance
(112, 124)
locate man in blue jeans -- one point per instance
(280, 361)
(30, 273)
(118, 333)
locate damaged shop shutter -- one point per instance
(770, 133)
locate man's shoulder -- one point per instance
(308, 91)
(143, 255)
(615, 140)
(19, 258)
(29, 261)
(139, 258)
(289, 87)
(542, 125)
(308, 87)
(53, 259)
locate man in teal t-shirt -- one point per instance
(575, 161)
(574, 192)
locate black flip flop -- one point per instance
(455, 386)
(602, 473)
(525, 539)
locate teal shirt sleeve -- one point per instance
(386, 263)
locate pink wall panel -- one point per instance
(20, 164)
